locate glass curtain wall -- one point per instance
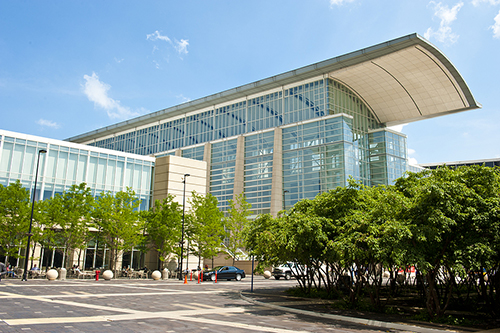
(63, 166)
(222, 171)
(265, 112)
(342, 100)
(18, 161)
(230, 120)
(195, 153)
(199, 128)
(317, 157)
(387, 157)
(96, 255)
(258, 171)
(303, 102)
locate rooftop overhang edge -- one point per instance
(343, 62)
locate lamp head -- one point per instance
(42, 151)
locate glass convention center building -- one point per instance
(277, 140)
(306, 131)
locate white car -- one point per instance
(287, 271)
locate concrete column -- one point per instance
(207, 157)
(161, 178)
(239, 171)
(178, 152)
(277, 183)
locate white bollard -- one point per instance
(165, 273)
(52, 274)
(107, 275)
(156, 275)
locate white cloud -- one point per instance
(97, 92)
(447, 16)
(496, 27)
(397, 128)
(48, 123)
(491, 2)
(179, 46)
(157, 36)
(411, 160)
(339, 2)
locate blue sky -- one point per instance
(69, 67)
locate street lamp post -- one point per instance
(25, 273)
(183, 215)
(284, 198)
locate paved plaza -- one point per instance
(154, 306)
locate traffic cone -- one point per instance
(185, 279)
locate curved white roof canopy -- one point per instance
(408, 85)
(402, 80)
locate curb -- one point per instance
(368, 322)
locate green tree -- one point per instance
(367, 237)
(69, 216)
(118, 220)
(15, 210)
(205, 226)
(163, 227)
(46, 230)
(453, 218)
(236, 221)
(261, 240)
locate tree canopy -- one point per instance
(163, 227)
(443, 222)
(118, 220)
(205, 226)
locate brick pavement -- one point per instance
(159, 306)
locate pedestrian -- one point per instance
(3, 270)
(10, 272)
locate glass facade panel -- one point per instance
(195, 153)
(258, 171)
(199, 128)
(317, 158)
(63, 166)
(304, 102)
(265, 112)
(388, 159)
(222, 172)
(230, 120)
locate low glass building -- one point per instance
(67, 164)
